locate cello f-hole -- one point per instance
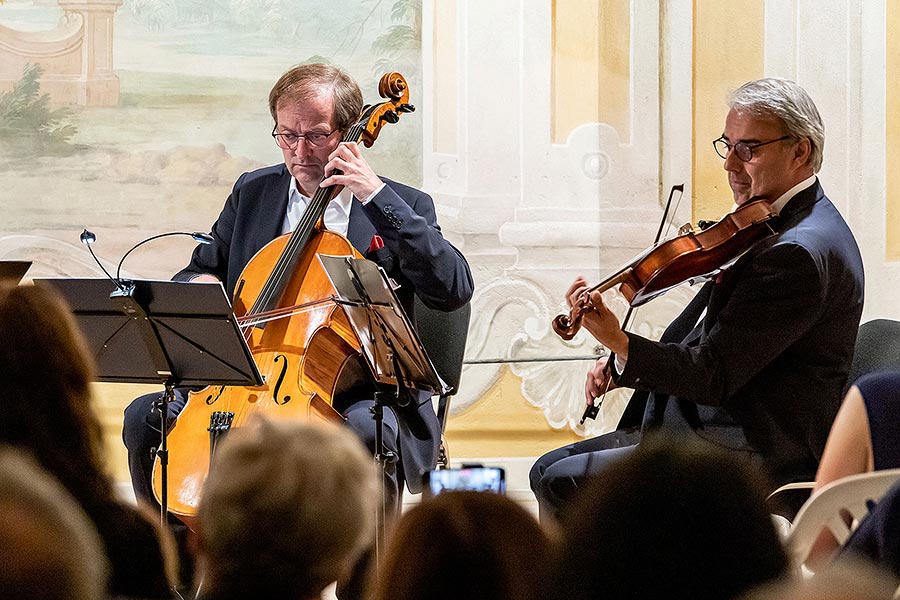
(210, 400)
(281, 375)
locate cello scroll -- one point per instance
(392, 86)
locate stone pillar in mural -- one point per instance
(96, 84)
(76, 57)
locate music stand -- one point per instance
(13, 270)
(176, 333)
(390, 345)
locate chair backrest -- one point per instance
(444, 336)
(838, 507)
(877, 348)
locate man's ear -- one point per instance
(802, 152)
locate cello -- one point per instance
(300, 339)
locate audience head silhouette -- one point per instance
(48, 547)
(45, 384)
(672, 520)
(45, 377)
(287, 509)
(465, 545)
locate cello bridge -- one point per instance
(219, 425)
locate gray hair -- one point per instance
(49, 548)
(287, 508)
(784, 100)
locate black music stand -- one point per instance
(390, 345)
(169, 332)
(13, 270)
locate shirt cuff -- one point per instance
(372, 195)
(619, 364)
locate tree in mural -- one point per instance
(27, 123)
(401, 43)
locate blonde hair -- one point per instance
(286, 509)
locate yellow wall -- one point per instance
(728, 51)
(892, 134)
(503, 423)
(590, 66)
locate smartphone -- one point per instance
(469, 477)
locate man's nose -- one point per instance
(302, 148)
(732, 162)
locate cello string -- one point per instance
(295, 245)
(315, 210)
(307, 221)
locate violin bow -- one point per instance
(593, 409)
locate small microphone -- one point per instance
(203, 238)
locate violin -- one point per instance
(690, 255)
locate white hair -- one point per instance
(785, 100)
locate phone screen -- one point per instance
(480, 479)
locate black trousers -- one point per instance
(556, 476)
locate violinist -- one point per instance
(756, 362)
(312, 106)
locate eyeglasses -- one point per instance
(289, 141)
(742, 150)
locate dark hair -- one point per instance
(45, 402)
(465, 545)
(302, 82)
(672, 520)
(45, 376)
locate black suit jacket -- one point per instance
(762, 373)
(417, 257)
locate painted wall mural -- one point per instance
(182, 113)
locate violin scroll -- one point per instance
(567, 326)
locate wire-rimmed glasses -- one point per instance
(743, 150)
(289, 140)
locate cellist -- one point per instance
(312, 106)
(757, 361)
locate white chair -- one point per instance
(838, 507)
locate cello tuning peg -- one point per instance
(406, 108)
(391, 116)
